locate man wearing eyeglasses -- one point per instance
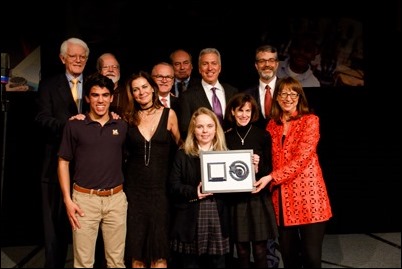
(163, 74)
(108, 65)
(56, 105)
(266, 64)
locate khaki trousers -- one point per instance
(110, 214)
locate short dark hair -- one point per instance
(266, 48)
(97, 79)
(239, 100)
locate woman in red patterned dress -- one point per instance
(300, 198)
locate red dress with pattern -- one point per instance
(297, 172)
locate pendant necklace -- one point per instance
(147, 152)
(242, 138)
(147, 144)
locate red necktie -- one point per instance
(164, 102)
(267, 101)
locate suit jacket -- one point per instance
(194, 98)
(55, 106)
(262, 121)
(193, 82)
(190, 84)
(120, 100)
(174, 104)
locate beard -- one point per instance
(113, 77)
(267, 76)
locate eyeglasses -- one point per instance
(75, 57)
(293, 95)
(270, 60)
(107, 67)
(160, 77)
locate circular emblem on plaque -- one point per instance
(239, 170)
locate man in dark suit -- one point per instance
(266, 63)
(202, 94)
(182, 63)
(56, 105)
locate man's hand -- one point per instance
(73, 211)
(78, 117)
(115, 116)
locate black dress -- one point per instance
(252, 215)
(147, 172)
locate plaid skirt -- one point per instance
(209, 238)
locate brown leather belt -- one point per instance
(100, 192)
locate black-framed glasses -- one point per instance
(160, 77)
(107, 67)
(263, 61)
(293, 95)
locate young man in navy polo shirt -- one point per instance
(95, 146)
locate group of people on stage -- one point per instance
(123, 164)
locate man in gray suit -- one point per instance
(202, 93)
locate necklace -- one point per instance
(144, 117)
(146, 108)
(147, 112)
(242, 138)
(147, 152)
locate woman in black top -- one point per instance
(252, 215)
(199, 230)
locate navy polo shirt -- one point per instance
(97, 151)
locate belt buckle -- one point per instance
(98, 191)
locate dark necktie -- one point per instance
(216, 105)
(267, 101)
(181, 87)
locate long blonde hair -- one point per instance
(190, 145)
